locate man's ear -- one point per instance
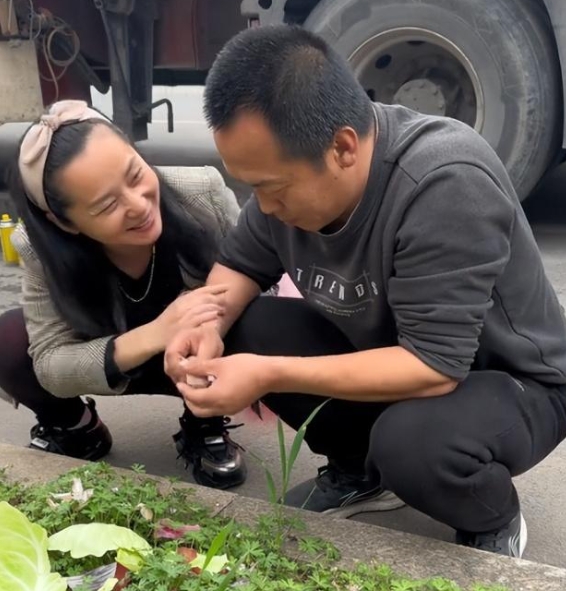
(65, 227)
(346, 147)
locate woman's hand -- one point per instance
(190, 310)
(187, 313)
(202, 343)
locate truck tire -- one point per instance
(490, 63)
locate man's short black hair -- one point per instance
(303, 88)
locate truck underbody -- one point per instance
(500, 66)
(126, 45)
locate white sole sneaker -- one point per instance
(384, 501)
(498, 541)
(523, 536)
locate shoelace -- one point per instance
(194, 435)
(191, 424)
(51, 431)
(227, 426)
(227, 423)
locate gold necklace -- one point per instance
(149, 283)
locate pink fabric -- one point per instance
(287, 288)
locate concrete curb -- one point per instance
(407, 554)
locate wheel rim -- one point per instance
(422, 70)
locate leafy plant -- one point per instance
(24, 560)
(97, 539)
(287, 463)
(235, 556)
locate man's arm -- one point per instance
(241, 291)
(248, 263)
(376, 375)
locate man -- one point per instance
(427, 317)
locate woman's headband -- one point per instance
(37, 141)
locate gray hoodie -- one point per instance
(438, 257)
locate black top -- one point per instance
(166, 285)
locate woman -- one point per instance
(109, 250)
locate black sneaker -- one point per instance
(91, 442)
(216, 459)
(336, 492)
(510, 540)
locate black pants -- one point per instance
(18, 379)
(452, 457)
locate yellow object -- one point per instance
(9, 253)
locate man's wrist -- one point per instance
(276, 375)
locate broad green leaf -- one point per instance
(50, 582)
(130, 559)
(109, 585)
(24, 562)
(214, 565)
(217, 544)
(95, 539)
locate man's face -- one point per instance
(296, 191)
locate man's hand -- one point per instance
(235, 382)
(204, 343)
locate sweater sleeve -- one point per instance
(452, 245)
(65, 365)
(249, 248)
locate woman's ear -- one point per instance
(65, 227)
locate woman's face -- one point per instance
(113, 194)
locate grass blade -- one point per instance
(282, 452)
(272, 489)
(271, 486)
(217, 544)
(299, 437)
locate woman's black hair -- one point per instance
(80, 278)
